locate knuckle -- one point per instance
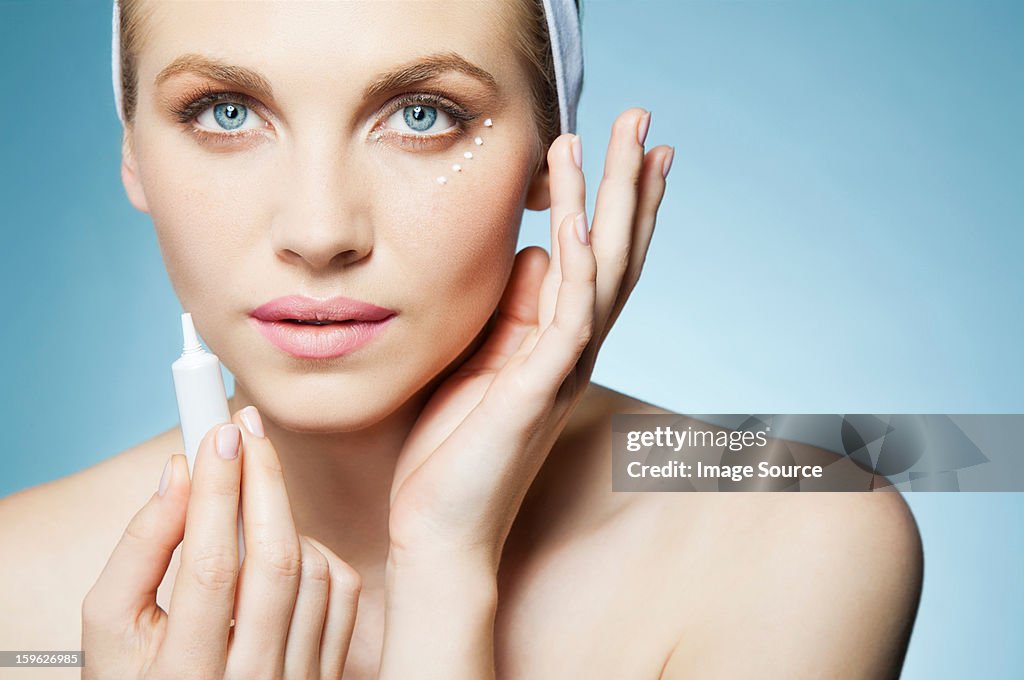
(345, 579)
(629, 176)
(280, 559)
(214, 570)
(584, 334)
(219, 487)
(271, 465)
(139, 530)
(314, 564)
(579, 332)
(618, 258)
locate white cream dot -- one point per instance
(479, 141)
(442, 180)
(488, 123)
(468, 154)
(457, 168)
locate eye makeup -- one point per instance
(459, 114)
(195, 101)
(187, 107)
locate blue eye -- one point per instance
(228, 116)
(421, 119)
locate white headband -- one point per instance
(566, 48)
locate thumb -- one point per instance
(128, 583)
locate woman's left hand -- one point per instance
(482, 438)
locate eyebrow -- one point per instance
(426, 68)
(217, 70)
(410, 73)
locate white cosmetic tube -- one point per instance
(202, 400)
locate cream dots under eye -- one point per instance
(468, 155)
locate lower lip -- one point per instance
(306, 341)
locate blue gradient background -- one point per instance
(841, 233)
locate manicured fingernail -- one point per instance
(252, 420)
(165, 478)
(581, 229)
(641, 132)
(227, 441)
(577, 151)
(667, 163)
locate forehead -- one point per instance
(332, 38)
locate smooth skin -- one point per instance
(459, 481)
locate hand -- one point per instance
(479, 442)
(295, 600)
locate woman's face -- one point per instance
(316, 175)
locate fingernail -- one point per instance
(165, 478)
(641, 132)
(251, 418)
(581, 229)
(227, 441)
(667, 163)
(577, 151)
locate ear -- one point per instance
(130, 174)
(538, 194)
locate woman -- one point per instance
(435, 501)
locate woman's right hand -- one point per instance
(296, 600)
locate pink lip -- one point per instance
(358, 323)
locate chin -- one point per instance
(327, 402)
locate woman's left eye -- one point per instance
(229, 116)
(420, 118)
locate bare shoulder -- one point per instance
(809, 585)
(57, 536)
(813, 583)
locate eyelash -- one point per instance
(197, 100)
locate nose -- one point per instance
(324, 218)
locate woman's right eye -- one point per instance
(229, 116)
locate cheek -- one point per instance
(203, 209)
(455, 241)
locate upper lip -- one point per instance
(304, 308)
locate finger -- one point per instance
(342, 607)
(128, 583)
(652, 190)
(269, 580)
(302, 656)
(204, 588)
(616, 205)
(568, 197)
(561, 343)
(516, 312)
